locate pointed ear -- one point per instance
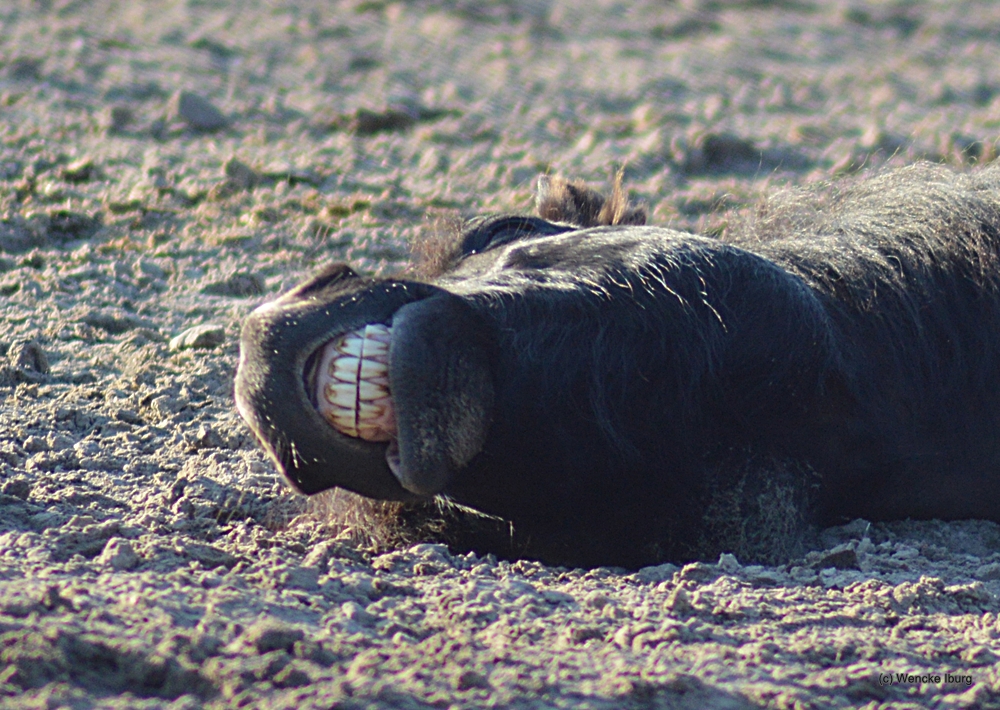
(543, 189)
(558, 200)
(617, 209)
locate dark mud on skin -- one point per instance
(149, 555)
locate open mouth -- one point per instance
(348, 382)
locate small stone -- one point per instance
(61, 442)
(623, 637)
(367, 123)
(200, 336)
(320, 555)
(357, 613)
(149, 269)
(679, 603)
(291, 677)
(238, 285)
(114, 321)
(801, 574)
(988, 572)
(129, 416)
(79, 171)
(34, 444)
(306, 578)
(17, 487)
(595, 600)
(656, 573)
(241, 174)
(469, 679)
(842, 558)
(205, 437)
(28, 361)
(119, 554)
(555, 597)
(165, 405)
(267, 636)
(699, 572)
(207, 555)
(728, 563)
(25, 69)
(119, 119)
(197, 112)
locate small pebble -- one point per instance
(357, 613)
(119, 118)
(25, 68)
(17, 487)
(119, 554)
(238, 285)
(197, 112)
(267, 636)
(200, 336)
(79, 171)
(679, 603)
(728, 563)
(241, 174)
(27, 356)
(988, 572)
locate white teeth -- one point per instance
(367, 410)
(342, 394)
(345, 367)
(371, 369)
(379, 332)
(351, 345)
(367, 391)
(375, 347)
(353, 384)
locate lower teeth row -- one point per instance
(353, 384)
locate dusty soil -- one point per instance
(166, 166)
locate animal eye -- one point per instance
(482, 233)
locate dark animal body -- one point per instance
(625, 394)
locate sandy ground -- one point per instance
(166, 166)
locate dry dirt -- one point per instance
(167, 165)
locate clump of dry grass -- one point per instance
(379, 526)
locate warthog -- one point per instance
(626, 394)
